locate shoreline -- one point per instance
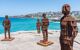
(29, 31)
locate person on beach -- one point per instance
(38, 25)
(7, 25)
(45, 24)
(68, 29)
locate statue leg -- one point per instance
(9, 33)
(38, 30)
(63, 46)
(43, 35)
(5, 33)
(46, 38)
(71, 46)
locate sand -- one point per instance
(27, 40)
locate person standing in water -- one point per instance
(68, 29)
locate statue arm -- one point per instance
(60, 25)
(3, 23)
(48, 21)
(76, 32)
(10, 24)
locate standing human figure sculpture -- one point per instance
(68, 29)
(45, 24)
(7, 24)
(38, 25)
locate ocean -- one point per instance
(26, 24)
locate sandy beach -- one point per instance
(27, 40)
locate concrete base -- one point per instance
(45, 43)
(7, 39)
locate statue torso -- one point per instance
(68, 25)
(7, 23)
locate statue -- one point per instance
(38, 25)
(6, 23)
(68, 29)
(44, 25)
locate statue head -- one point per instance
(44, 15)
(6, 16)
(66, 9)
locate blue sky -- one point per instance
(22, 7)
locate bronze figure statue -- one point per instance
(44, 25)
(7, 24)
(68, 29)
(38, 25)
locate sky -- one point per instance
(23, 7)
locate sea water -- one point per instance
(26, 24)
